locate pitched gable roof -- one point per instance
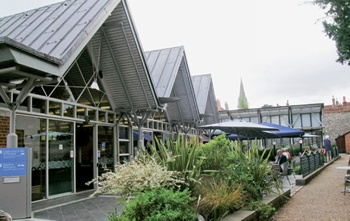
(57, 34)
(171, 78)
(205, 96)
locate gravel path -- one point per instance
(321, 199)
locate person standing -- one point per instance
(328, 148)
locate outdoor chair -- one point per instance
(346, 181)
(291, 168)
(284, 173)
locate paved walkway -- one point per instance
(74, 207)
(321, 199)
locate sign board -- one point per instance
(13, 162)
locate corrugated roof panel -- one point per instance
(163, 67)
(61, 32)
(201, 85)
(170, 74)
(56, 29)
(204, 90)
(127, 78)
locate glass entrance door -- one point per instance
(84, 156)
(61, 158)
(105, 151)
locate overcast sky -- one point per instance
(277, 47)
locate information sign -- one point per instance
(13, 162)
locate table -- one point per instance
(344, 168)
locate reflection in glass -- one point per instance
(31, 130)
(61, 157)
(105, 149)
(84, 156)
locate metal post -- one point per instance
(12, 139)
(274, 148)
(301, 146)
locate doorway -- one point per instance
(84, 156)
(105, 149)
(60, 151)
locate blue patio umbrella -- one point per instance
(240, 128)
(283, 131)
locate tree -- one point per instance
(242, 99)
(336, 26)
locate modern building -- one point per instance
(307, 117)
(77, 88)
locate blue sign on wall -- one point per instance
(13, 161)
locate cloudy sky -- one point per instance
(278, 48)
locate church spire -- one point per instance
(242, 99)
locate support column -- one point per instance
(12, 138)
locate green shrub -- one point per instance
(297, 169)
(136, 176)
(216, 153)
(265, 211)
(158, 204)
(218, 198)
(252, 171)
(181, 156)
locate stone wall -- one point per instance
(336, 120)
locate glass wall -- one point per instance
(124, 144)
(84, 156)
(105, 152)
(61, 156)
(31, 133)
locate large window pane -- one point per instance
(266, 119)
(254, 120)
(105, 149)
(275, 119)
(60, 140)
(316, 119)
(29, 131)
(306, 120)
(284, 120)
(296, 121)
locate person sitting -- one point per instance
(308, 150)
(281, 158)
(5, 216)
(286, 153)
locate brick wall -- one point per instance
(4, 130)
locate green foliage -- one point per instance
(294, 150)
(181, 156)
(297, 169)
(136, 176)
(336, 26)
(265, 211)
(216, 153)
(218, 198)
(252, 171)
(158, 204)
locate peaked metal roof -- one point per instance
(171, 78)
(57, 34)
(205, 96)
